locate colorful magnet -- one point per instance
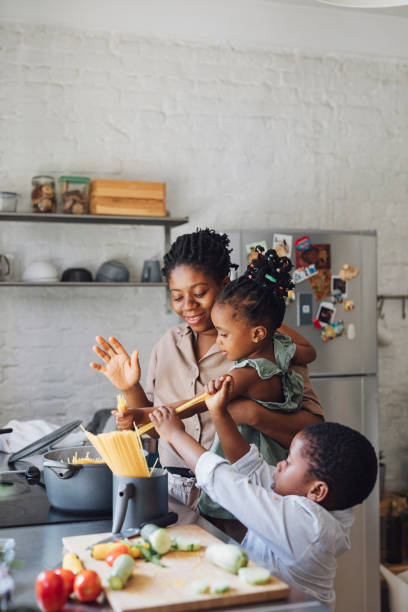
(303, 243)
(338, 284)
(348, 272)
(251, 249)
(301, 274)
(334, 330)
(325, 313)
(351, 331)
(349, 305)
(321, 285)
(317, 254)
(317, 324)
(282, 243)
(290, 298)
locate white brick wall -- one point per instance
(243, 136)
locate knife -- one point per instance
(131, 532)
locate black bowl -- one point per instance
(76, 275)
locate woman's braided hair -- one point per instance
(259, 294)
(204, 249)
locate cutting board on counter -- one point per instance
(159, 589)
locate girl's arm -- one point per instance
(305, 352)
(281, 426)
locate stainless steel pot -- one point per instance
(78, 488)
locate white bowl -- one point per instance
(40, 271)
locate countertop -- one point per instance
(40, 547)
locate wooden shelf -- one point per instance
(91, 284)
(101, 219)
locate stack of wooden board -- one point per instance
(168, 588)
(110, 197)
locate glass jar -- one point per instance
(75, 194)
(43, 194)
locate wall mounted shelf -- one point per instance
(64, 284)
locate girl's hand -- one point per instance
(130, 417)
(219, 388)
(122, 371)
(166, 422)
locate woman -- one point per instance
(186, 358)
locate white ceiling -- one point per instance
(396, 11)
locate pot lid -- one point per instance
(45, 442)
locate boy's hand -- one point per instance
(166, 422)
(219, 388)
(122, 370)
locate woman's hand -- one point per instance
(220, 389)
(130, 417)
(166, 422)
(122, 371)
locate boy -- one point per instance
(298, 514)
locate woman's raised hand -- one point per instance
(122, 371)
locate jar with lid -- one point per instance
(75, 194)
(43, 196)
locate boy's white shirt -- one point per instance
(294, 537)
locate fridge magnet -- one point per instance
(303, 243)
(282, 243)
(338, 283)
(321, 285)
(334, 330)
(317, 324)
(301, 274)
(337, 296)
(349, 305)
(317, 254)
(325, 313)
(348, 272)
(351, 331)
(290, 298)
(251, 249)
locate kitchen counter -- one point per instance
(40, 547)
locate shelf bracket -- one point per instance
(381, 299)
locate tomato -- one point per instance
(67, 578)
(50, 591)
(87, 585)
(120, 549)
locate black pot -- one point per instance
(81, 488)
(76, 275)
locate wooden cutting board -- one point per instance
(167, 589)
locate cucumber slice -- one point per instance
(122, 569)
(228, 556)
(220, 587)
(160, 541)
(199, 586)
(254, 575)
(186, 544)
(147, 530)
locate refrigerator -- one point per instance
(344, 374)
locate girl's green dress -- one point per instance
(292, 388)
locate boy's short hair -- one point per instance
(344, 459)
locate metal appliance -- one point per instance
(344, 376)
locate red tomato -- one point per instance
(50, 592)
(87, 585)
(120, 549)
(67, 578)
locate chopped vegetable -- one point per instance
(119, 549)
(199, 587)
(254, 575)
(122, 569)
(149, 555)
(158, 538)
(227, 556)
(186, 544)
(87, 585)
(72, 562)
(220, 587)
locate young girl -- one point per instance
(246, 316)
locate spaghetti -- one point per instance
(122, 451)
(85, 460)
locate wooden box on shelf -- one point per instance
(110, 197)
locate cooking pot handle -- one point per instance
(62, 471)
(124, 495)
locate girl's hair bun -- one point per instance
(271, 272)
